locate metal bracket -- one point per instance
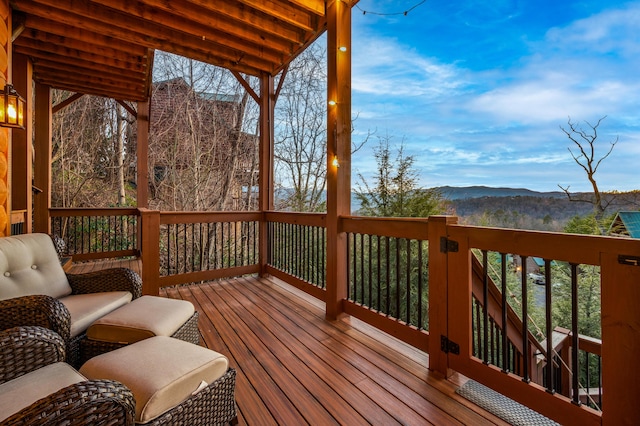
(448, 246)
(447, 346)
(629, 260)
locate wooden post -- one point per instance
(150, 251)
(338, 150)
(21, 145)
(5, 134)
(42, 162)
(438, 291)
(142, 166)
(265, 196)
(620, 340)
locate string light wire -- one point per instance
(405, 13)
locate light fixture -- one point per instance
(12, 107)
(335, 161)
(342, 48)
(332, 102)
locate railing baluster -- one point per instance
(485, 307)
(398, 269)
(370, 244)
(388, 272)
(549, 325)
(525, 326)
(574, 336)
(408, 282)
(505, 310)
(420, 324)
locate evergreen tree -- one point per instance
(395, 191)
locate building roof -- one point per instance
(105, 47)
(626, 224)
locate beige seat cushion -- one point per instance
(160, 371)
(87, 308)
(29, 265)
(145, 317)
(23, 391)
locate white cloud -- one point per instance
(501, 127)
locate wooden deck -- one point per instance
(296, 368)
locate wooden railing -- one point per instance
(97, 233)
(387, 280)
(297, 250)
(18, 222)
(190, 247)
(572, 266)
(489, 314)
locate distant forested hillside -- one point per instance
(539, 211)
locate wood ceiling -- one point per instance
(105, 47)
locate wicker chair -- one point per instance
(38, 351)
(26, 303)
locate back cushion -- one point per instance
(29, 265)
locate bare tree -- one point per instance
(584, 154)
(84, 153)
(201, 156)
(301, 133)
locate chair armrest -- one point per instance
(93, 402)
(114, 279)
(40, 310)
(25, 349)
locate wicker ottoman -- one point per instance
(173, 382)
(144, 317)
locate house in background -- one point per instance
(200, 157)
(626, 224)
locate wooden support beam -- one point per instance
(142, 177)
(265, 179)
(246, 86)
(621, 338)
(42, 163)
(150, 251)
(438, 291)
(61, 105)
(21, 145)
(338, 151)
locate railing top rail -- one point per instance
(411, 228)
(297, 218)
(90, 211)
(168, 217)
(573, 248)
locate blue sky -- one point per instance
(478, 90)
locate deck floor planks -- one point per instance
(378, 384)
(286, 353)
(252, 363)
(301, 388)
(376, 347)
(332, 376)
(259, 413)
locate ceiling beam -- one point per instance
(112, 23)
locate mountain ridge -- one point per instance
(480, 191)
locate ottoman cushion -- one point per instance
(144, 317)
(160, 371)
